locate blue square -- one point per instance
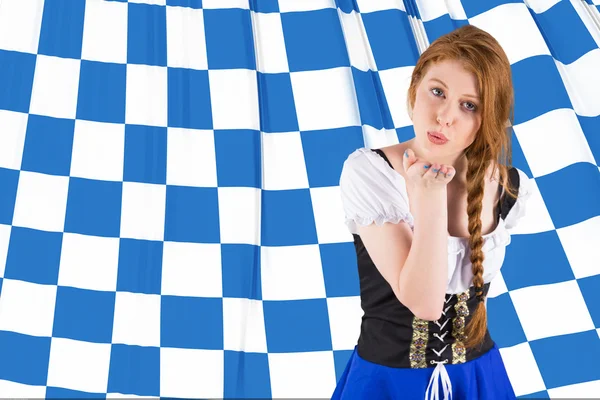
(391, 38)
(476, 7)
(325, 152)
(192, 215)
(241, 271)
(60, 393)
(314, 40)
(503, 322)
(405, 133)
(102, 92)
(140, 258)
(559, 22)
(372, 104)
(591, 127)
(340, 269)
(247, 375)
(347, 6)
(25, 358)
(229, 39)
(33, 256)
(16, 80)
(94, 207)
(185, 3)
(9, 180)
(568, 201)
(283, 209)
(589, 288)
(538, 88)
(239, 160)
(134, 370)
(191, 322)
(536, 396)
(146, 34)
(554, 353)
(264, 6)
(341, 359)
(536, 252)
(442, 25)
(61, 33)
(48, 145)
(85, 315)
(189, 99)
(277, 107)
(145, 154)
(298, 325)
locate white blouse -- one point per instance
(372, 191)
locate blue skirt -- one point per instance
(484, 378)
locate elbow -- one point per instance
(421, 310)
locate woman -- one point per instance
(427, 215)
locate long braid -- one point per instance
(476, 171)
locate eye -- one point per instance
(471, 106)
(434, 89)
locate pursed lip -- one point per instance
(438, 134)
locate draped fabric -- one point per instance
(170, 220)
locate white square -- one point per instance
(234, 99)
(329, 215)
(98, 150)
(127, 396)
(89, 262)
(325, 99)
(12, 139)
(14, 390)
(155, 2)
(564, 142)
(537, 218)
(186, 42)
(357, 42)
(367, 6)
(192, 373)
(378, 138)
(582, 83)
(305, 5)
(27, 308)
(497, 287)
(143, 211)
(522, 40)
(137, 319)
(243, 4)
(41, 201)
(522, 369)
(105, 32)
(292, 273)
(146, 99)
(20, 24)
(456, 10)
(192, 269)
(395, 83)
(240, 215)
(538, 306)
(271, 55)
(302, 375)
(583, 390)
(79, 365)
(244, 325)
(4, 241)
(430, 10)
(191, 158)
(345, 317)
(581, 243)
(540, 6)
(55, 87)
(283, 162)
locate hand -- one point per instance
(424, 174)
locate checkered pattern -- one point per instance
(170, 220)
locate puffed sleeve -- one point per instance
(518, 210)
(371, 191)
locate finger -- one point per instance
(409, 159)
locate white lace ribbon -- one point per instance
(439, 373)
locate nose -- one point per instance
(444, 116)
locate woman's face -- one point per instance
(446, 103)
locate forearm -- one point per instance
(423, 278)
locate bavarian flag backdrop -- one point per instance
(170, 220)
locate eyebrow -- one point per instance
(443, 84)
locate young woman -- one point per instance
(430, 220)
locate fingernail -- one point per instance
(406, 153)
(435, 170)
(426, 166)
